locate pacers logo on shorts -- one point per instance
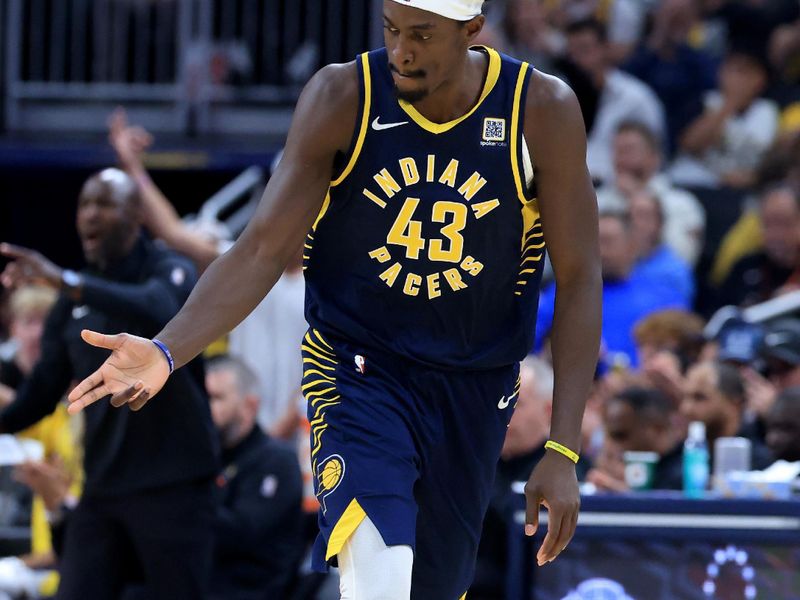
(330, 473)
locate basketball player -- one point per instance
(425, 178)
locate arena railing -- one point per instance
(185, 66)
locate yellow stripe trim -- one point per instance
(317, 354)
(527, 271)
(362, 132)
(515, 131)
(344, 528)
(492, 75)
(322, 210)
(536, 258)
(312, 343)
(316, 382)
(325, 376)
(320, 365)
(322, 341)
(321, 400)
(322, 392)
(323, 406)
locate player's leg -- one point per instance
(95, 556)
(456, 483)
(371, 570)
(363, 453)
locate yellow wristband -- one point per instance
(550, 444)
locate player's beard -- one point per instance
(411, 96)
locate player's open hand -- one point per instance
(553, 484)
(134, 373)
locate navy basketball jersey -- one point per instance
(429, 243)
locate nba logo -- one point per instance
(361, 364)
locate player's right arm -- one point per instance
(323, 125)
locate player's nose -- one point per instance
(402, 53)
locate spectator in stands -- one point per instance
(676, 331)
(638, 419)
(667, 342)
(258, 525)
(34, 575)
(268, 340)
(757, 276)
(626, 297)
(29, 306)
(715, 395)
(148, 497)
(723, 146)
(783, 426)
(623, 20)
(530, 35)
(28, 309)
(779, 351)
(656, 261)
(621, 96)
(637, 163)
(678, 73)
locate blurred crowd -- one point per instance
(692, 110)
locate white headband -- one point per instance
(460, 10)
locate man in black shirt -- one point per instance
(147, 504)
(258, 523)
(757, 276)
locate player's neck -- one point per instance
(456, 97)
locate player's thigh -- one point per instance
(371, 570)
(363, 454)
(455, 487)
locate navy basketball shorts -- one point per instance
(413, 448)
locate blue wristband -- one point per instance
(163, 347)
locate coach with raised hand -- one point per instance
(147, 506)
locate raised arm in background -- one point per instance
(158, 214)
(234, 284)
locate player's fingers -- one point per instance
(89, 397)
(91, 382)
(564, 535)
(532, 501)
(12, 251)
(101, 340)
(118, 120)
(140, 400)
(554, 518)
(125, 396)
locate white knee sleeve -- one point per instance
(371, 570)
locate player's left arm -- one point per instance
(556, 138)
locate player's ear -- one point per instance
(473, 27)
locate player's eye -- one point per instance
(392, 30)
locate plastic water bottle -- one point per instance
(695, 461)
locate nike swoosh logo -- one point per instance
(377, 126)
(503, 403)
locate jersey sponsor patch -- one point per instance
(494, 130)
